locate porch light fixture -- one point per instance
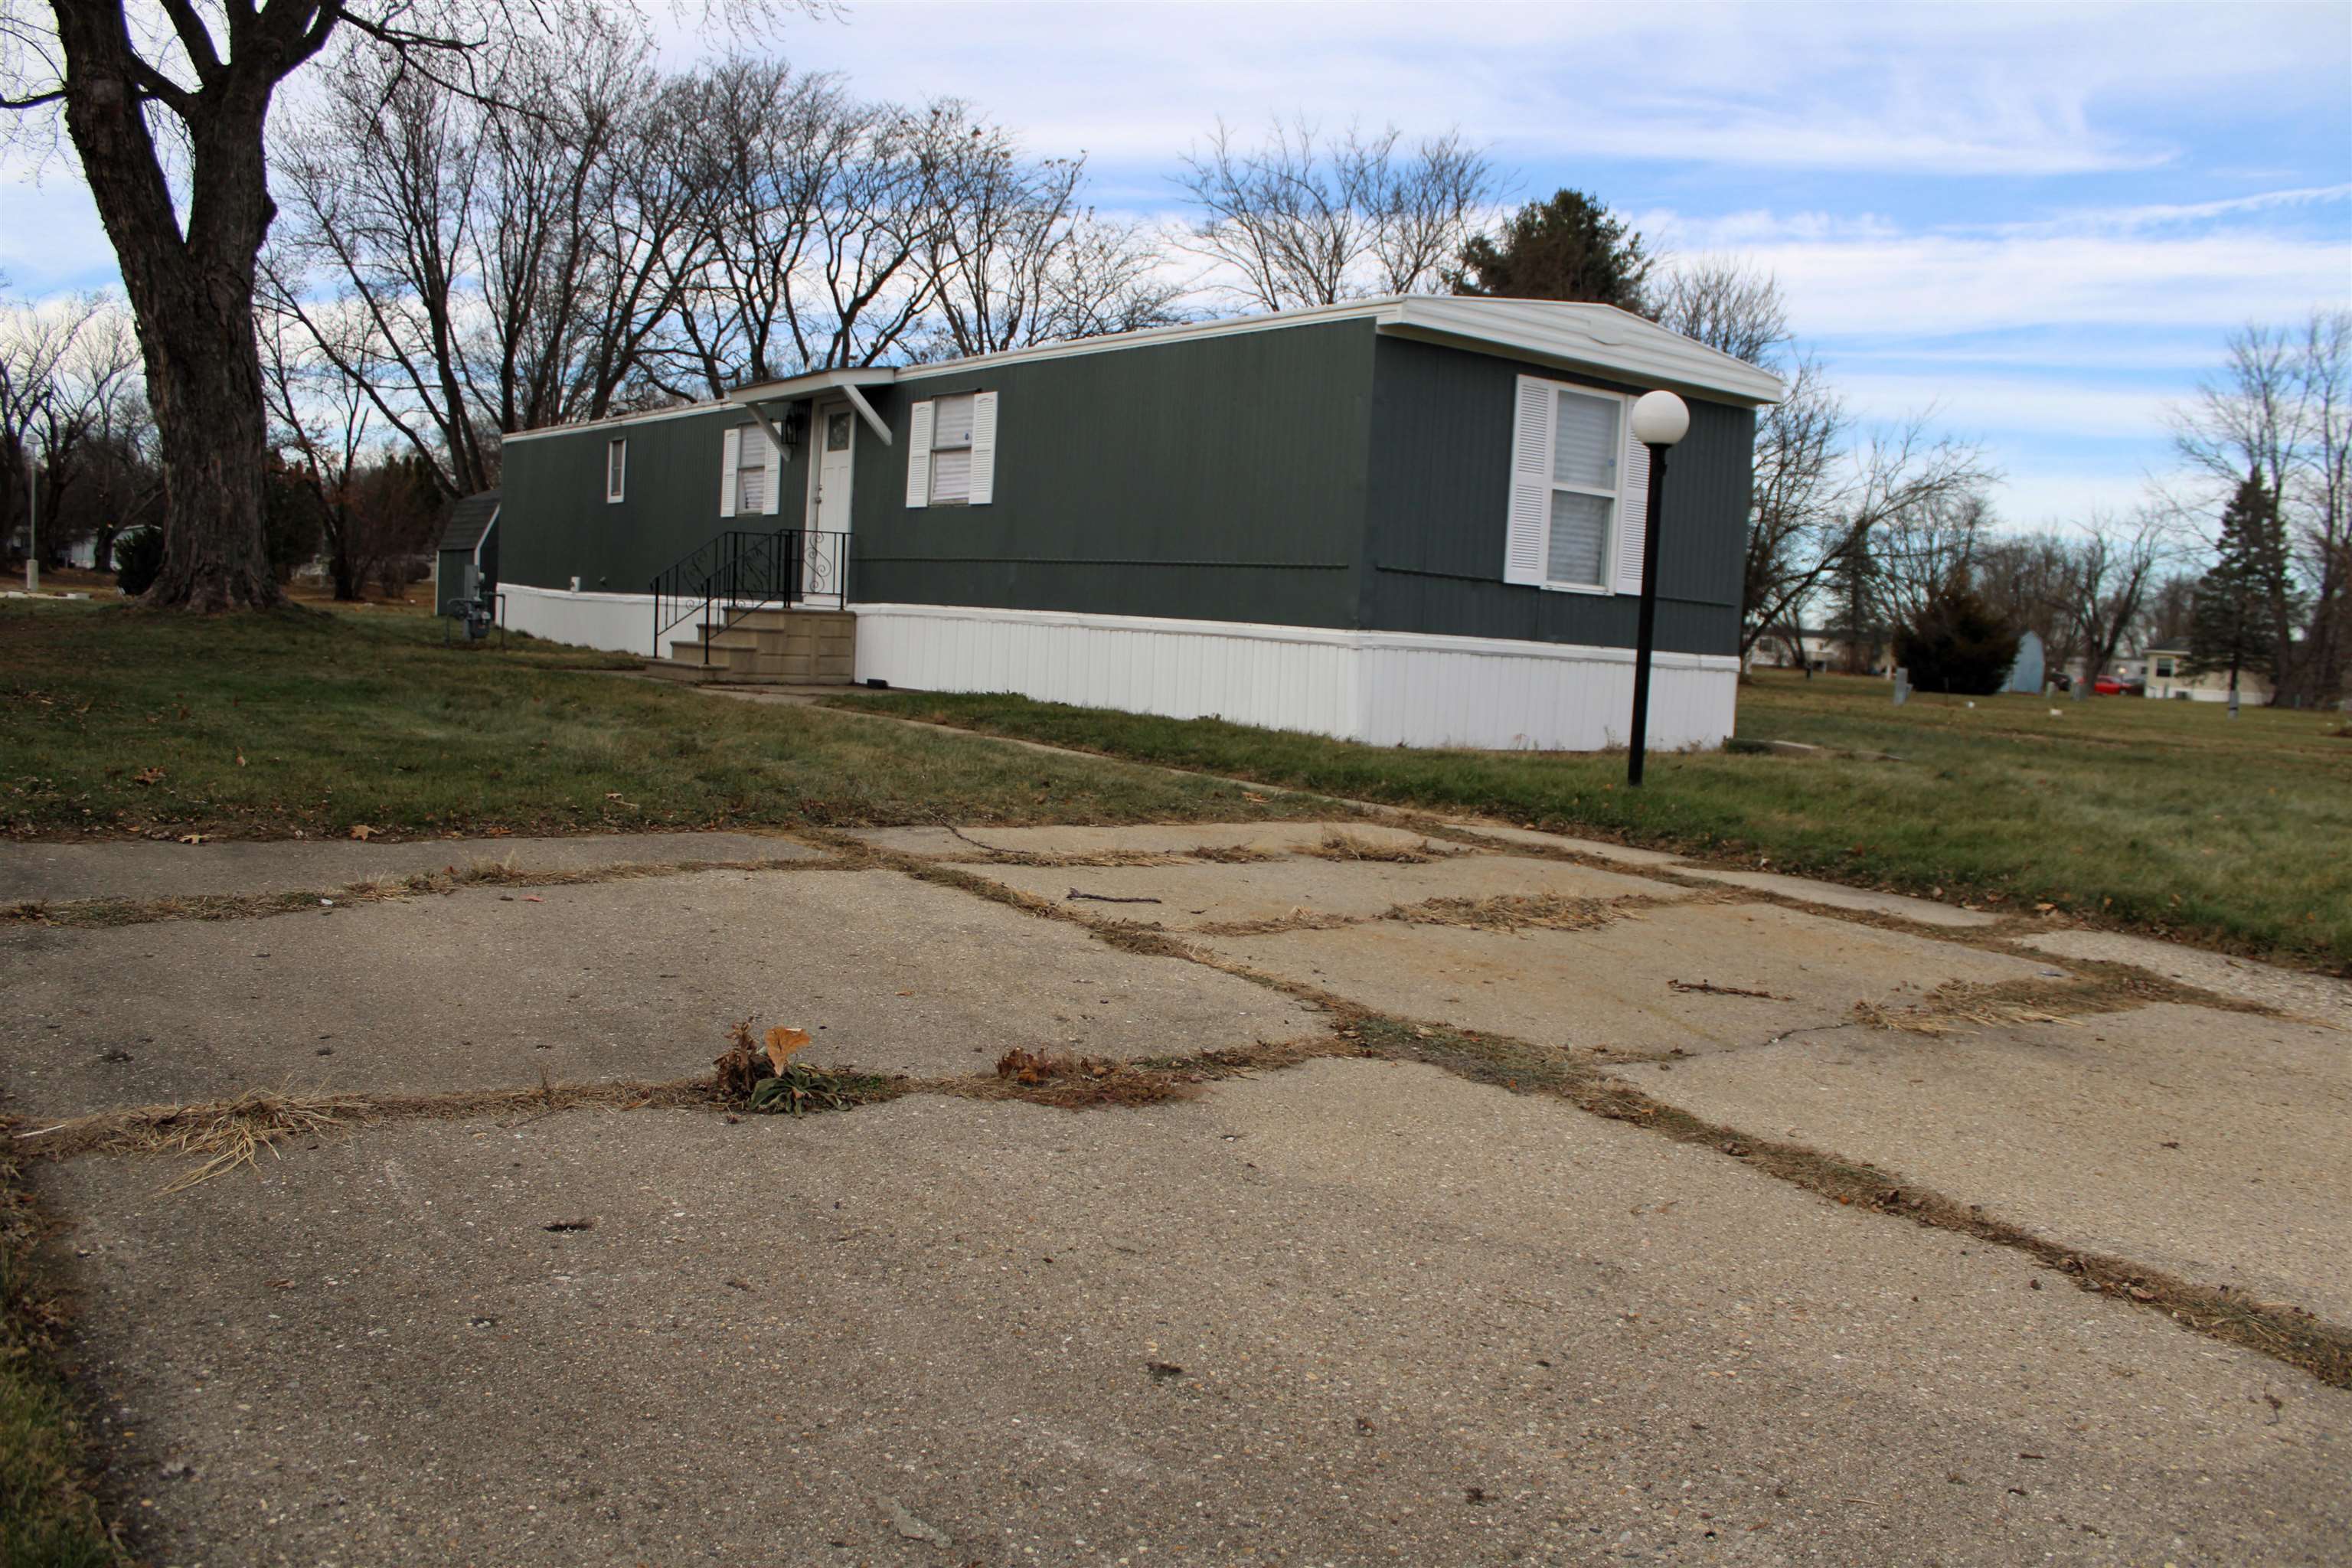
(793, 427)
(1660, 420)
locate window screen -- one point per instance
(952, 450)
(1585, 444)
(751, 471)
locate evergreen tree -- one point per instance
(1957, 642)
(2235, 623)
(1568, 248)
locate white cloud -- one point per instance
(2038, 407)
(1859, 277)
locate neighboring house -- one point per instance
(1407, 520)
(2165, 672)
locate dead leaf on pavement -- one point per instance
(193, 838)
(782, 1041)
(363, 831)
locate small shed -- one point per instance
(468, 564)
(2026, 674)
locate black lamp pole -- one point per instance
(1645, 636)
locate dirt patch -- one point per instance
(2100, 988)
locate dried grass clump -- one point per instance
(232, 1132)
(1079, 1083)
(1511, 912)
(1232, 854)
(1339, 845)
(1957, 1005)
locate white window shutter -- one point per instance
(983, 448)
(731, 453)
(771, 487)
(1530, 523)
(918, 457)
(1632, 513)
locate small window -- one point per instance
(836, 431)
(751, 471)
(952, 451)
(2164, 669)
(617, 469)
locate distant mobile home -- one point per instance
(1409, 520)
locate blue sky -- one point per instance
(2040, 220)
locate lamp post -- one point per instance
(1660, 420)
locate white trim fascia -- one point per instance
(1584, 337)
(613, 422)
(814, 383)
(1595, 339)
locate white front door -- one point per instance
(833, 432)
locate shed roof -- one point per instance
(470, 519)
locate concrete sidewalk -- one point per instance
(1350, 1312)
(1353, 1313)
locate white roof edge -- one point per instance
(1642, 352)
(815, 381)
(613, 422)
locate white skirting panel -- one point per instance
(617, 623)
(1386, 687)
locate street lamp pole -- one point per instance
(1660, 420)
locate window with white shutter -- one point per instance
(752, 450)
(951, 457)
(1569, 511)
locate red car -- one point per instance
(2108, 685)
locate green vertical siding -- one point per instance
(1217, 479)
(1440, 477)
(556, 525)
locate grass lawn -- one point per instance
(48, 1516)
(118, 721)
(2159, 817)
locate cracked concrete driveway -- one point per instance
(1355, 1310)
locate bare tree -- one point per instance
(189, 246)
(1305, 219)
(824, 211)
(1922, 549)
(69, 393)
(1015, 258)
(320, 421)
(1729, 305)
(2113, 566)
(490, 264)
(2024, 576)
(2280, 411)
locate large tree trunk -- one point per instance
(208, 412)
(191, 290)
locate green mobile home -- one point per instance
(1410, 520)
